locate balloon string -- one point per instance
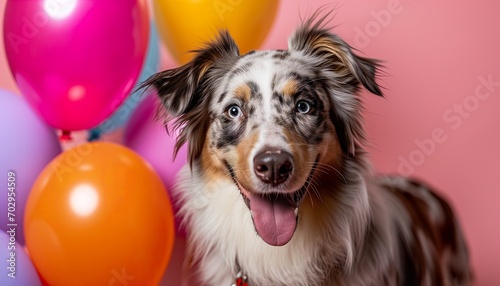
(94, 135)
(65, 135)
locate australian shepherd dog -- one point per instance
(278, 190)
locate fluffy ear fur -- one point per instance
(313, 39)
(185, 91)
(347, 71)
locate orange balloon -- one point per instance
(186, 25)
(99, 215)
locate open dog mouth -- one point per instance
(274, 215)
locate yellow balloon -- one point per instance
(185, 25)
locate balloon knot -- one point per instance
(65, 135)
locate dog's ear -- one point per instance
(333, 53)
(185, 92)
(344, 72)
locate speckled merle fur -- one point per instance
(354, 228)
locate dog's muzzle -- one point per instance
(275, 215)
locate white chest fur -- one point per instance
(222, 234)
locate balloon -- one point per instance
(75, 61)
(27, 144)
(186, 25)
(148, 138)
(18, 270)
(122, 114)
(99, 215)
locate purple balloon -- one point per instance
(27, 145)
(75, 61)
(148, 137)
(17, 268)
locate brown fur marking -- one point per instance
(243, 92)
(290, 88)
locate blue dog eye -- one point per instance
(234, 111)
(303, 106)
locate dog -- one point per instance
(278, 189)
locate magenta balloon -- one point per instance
(75, 60)
(147, 136)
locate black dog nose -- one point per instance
(273, 166)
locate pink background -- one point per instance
(434, 53)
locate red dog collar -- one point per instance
(241, 280)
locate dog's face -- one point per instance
(268, 120)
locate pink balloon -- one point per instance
(75, 61)
(148, 137)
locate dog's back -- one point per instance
(431, 242)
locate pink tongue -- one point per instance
(274, 219)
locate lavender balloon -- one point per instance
(19, 270)
(27, 144)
